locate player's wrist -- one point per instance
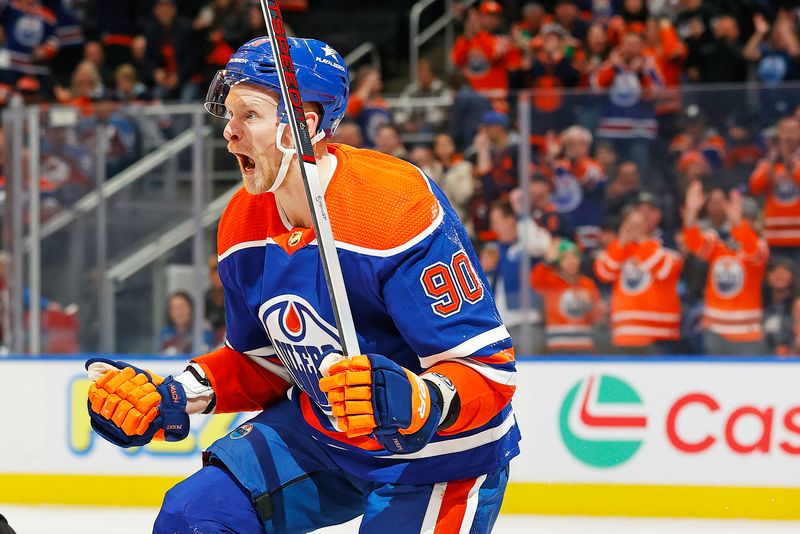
(446, 397)
(200, 394)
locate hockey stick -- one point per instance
(290, 93)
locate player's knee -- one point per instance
(209, 501)
(176, 512)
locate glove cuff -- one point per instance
(449, 400)
(175, 420)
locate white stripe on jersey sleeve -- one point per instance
(468, 347)
(506, 378)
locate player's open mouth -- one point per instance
(246, 162)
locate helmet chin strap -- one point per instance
(288, 154)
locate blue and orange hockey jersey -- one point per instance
(27, 28)
(417, 295)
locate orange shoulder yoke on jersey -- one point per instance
(246, 218)
(378, 201)
(240, 384)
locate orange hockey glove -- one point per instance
(371, 394)
(130, 407)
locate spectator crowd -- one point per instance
(662, 206)
(663, 212)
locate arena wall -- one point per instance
(680, 437)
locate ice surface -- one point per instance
(76, 520)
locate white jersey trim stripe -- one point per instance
(578, 342)
(274, 368)
(264, 351)
(644, 331)
(781, 221)
(440, 448)
(241, 246)
(434, 506)
(605, 273)
(729, 315)
(507, 378)
(569, 329)
(752, 328)
(468, 347)
(472, 505)
(609, 263)
(776, 234)
(666, 268)
(645, 316)
(651, 262)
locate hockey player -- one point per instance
(415, 434)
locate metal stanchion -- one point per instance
(34, 231)
(16, 194)
(198, 241)
(105, 304)
(524, 115)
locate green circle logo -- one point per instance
(602, 421)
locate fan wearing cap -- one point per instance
(650, 208)
(483, 55)
(572, 302)
(495, 164)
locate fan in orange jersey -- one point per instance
(778, 178)
(572, 303)
(645, 308)
(484, 56)
(737, 259)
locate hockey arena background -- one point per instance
(656, 436)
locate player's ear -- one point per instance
(312, 121)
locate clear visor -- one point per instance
(218, 92)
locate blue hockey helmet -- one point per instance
(321, 75)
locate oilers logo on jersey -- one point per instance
(301, 339)
(635, 279)
(626, 90)
(29, 31)
(575, 303)
(785, 190)
(568, 193)
(728, 276)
